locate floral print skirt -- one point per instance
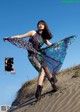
(52, 56)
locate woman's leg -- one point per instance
(51, 77)
(40, 85)
(41, 77)
(41, 71)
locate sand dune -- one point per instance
(66, 99)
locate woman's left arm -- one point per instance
(48, 42)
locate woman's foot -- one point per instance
(55, 88)
(38, 92)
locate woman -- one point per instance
(44, 60)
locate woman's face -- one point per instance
(41, 26)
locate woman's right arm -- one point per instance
(28, 34)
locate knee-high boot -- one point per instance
(38, 92)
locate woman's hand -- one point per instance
(5, 39)
(47, 42)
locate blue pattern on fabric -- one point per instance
(21, 43)
(53, 55)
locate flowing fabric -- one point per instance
(52, 55)
(55, 54)
(21, 43)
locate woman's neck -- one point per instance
(40, 31)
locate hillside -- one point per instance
(66, 99)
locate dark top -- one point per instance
(37, 41)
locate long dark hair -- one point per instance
(46, 34)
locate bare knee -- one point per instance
(41, 77)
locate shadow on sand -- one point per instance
(31, 101)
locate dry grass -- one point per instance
(28, 88)
(77, 74)
(69, 70)
(25, 92)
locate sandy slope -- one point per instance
(66, 99)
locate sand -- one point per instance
(66, 99)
